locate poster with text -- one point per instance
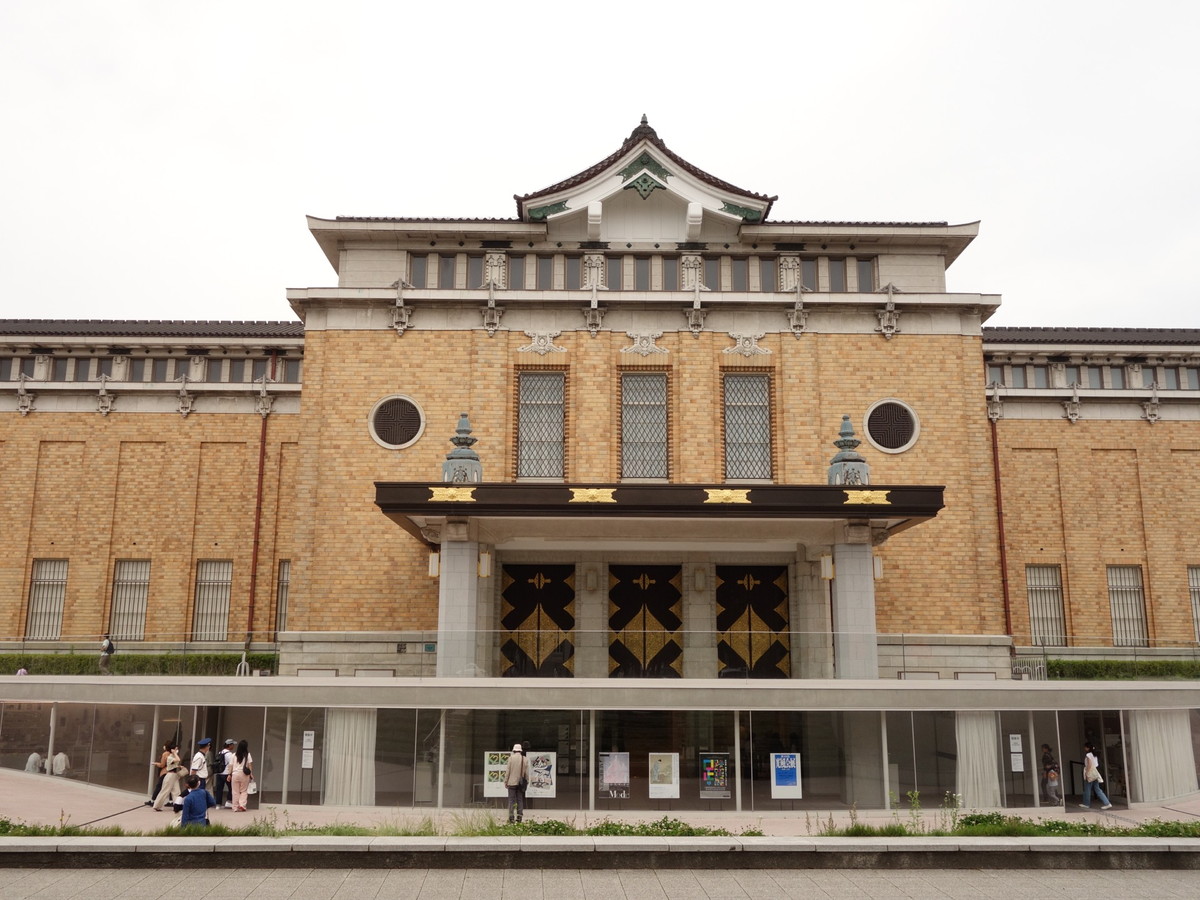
(785, 776)
(614, 776)
(543, 773)
(495, 767)
(664, 776)
(714, 776)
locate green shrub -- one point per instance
(135, 663)
(1117, 669)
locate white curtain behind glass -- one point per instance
(1163, 760)
(978, 778)
(349, 757)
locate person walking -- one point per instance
(243, 774)
(107, 649)
(173, 770)
(224, 770)
(1092, 780)
(516, 779)
(1049, 764)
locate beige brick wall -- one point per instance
(160, 487)
(1095, 494)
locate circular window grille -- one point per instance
(396, 422)
(892, 426)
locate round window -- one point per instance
(892, 426)
(396, 422)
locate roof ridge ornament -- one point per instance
(642, 131)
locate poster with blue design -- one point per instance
(785, 776)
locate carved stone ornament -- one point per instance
(1150, 411)
(432, 533)
(593, 270)
(593, 313)
(401, 314)
(889, 316)
(104, 400)
(495, 270)
(789, 273)
(995, 406)
(492, 313)
(1071, 408)
(798, 315)
(747, 345)
(24, 398)
(644, 344)
(264, 402)
(186, 400)
(696, 315)
(542, 343)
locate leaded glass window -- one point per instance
(747, 426)
(644, 425)
(540, 425)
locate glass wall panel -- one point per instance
(841, 761)
(282, 776)
(396, 753)
(935, 757)
(699, 744)
(25, 736)
(556, 743)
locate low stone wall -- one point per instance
(963, 657)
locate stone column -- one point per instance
(855, 647)
(458, 603)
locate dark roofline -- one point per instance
(864, 224)
(439, 219)
(644, 131)
(150, 328)
(1066, 335)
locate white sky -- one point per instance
(159, 157)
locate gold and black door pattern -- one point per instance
(537, 616)
(644, 606)
(752, 622)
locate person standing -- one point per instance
(196, 804)
(516, 779)
(199, 766)
(1049, 764)
(224, 769)
(243, 774)
(107, 649)
(1092, 780)
(34, 763)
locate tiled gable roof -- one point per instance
(149, 328)
(1058, 335)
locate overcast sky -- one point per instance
(159, 158)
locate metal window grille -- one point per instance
(47, 589)
(1194, 590)
(643, 425)
(540, 425)
(1047, 627)
(214, 579)
(1128, 606)
(747, 426)
(131, 588)
(281, 594)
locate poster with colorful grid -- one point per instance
(714, 776)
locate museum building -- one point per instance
(708, 510)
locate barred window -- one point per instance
(1194, 590)
(281, 594)
(1046, 624)
(747, 426)
(131, 588)
(47, 590)
(1128, 606)
(214, 580)
(540, 425)
(643, 425)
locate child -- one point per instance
(1053, 788)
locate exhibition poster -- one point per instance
(614, 776)
(541, 774)
(664, 776)
(785, 776)
(714, 776)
